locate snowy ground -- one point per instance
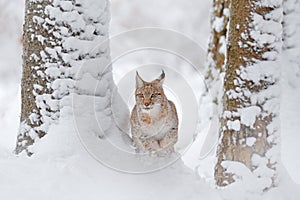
(63, 168)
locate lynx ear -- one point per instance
(161, 78)
(139, 80)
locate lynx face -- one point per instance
(149, 94)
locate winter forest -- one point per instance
(140, 99)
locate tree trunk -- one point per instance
(217, 43)
(249, 123)
(217, 49)
(36, 112)
(65, 51)
(214, 69)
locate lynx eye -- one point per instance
(153, 95)
(140, 95)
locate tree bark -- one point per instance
(35, 108)
(214, 66)
(249, 122)
(217, 49)
(65, 52)
(217, 43)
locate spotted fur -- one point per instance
(154, 120)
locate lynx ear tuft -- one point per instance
(139, 80)
(161, 78)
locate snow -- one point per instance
(271, 3)
(252, 183)
(234, 125)
(260, 71)
(223, 43)
(218, 24)
(250, 141)
(248, 115)
(290, 98)
(66, 164)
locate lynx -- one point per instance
(154, 120)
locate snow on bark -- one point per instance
(214, 68)
(217, 47)
(39, 109)
(65, 52)
(251, 98)
(217, 43)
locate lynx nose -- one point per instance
(147, 103)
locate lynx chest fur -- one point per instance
(154, 121)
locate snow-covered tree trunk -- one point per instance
(249, 136)
(217, 49)
(214, 69)
(217, 42)
(65, 52)
(36, 112)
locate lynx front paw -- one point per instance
(151, 144)
(165, 143)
